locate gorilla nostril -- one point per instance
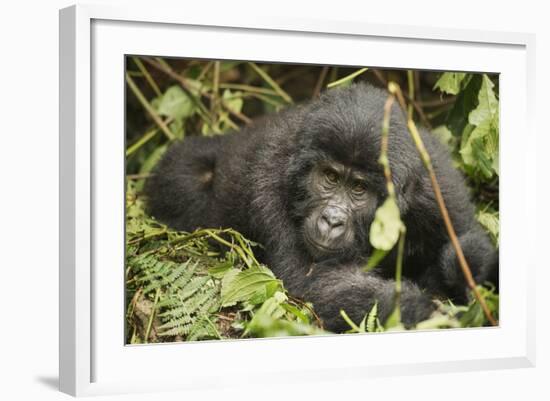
(334, 217)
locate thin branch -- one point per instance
(347, 78)
(134, 177)
(149, 108)
(319, 84)
(265, 76)
(145, 138)
(395, 90)
(310, 309)
(185, 85)
(410, 81)
(419, 110)
(147, 76)
(437, 102)
(385, 162)
(249, 88)
(215, 101)
(152, 316)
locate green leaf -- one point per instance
(175, 103)
(479, 148)
(177, 128)
(296, 312)
(233, 100)
(487, 108)
(465, 102)
(372, 319)
(374, 259)
(490, 221)
(474, 316)
(247, 284)
(220, 270)
(387, 224)
(450, 82)
(445, 136)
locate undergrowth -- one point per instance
(208, 284)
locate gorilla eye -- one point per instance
(331, 176)
(359, 188)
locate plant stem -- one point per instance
(152, 316)
(214, 102)
(399, 272)
(265, 76)
(141, 141)
(164, 67)
(395, 90)
(147, 76)
(320, 80)
(410, 80)
(149, 108)
(347, 78)
(248, 88)
(350, 322)
(384, 160)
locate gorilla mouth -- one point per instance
(317, 247)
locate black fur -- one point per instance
(256, 181)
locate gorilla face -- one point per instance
(340, 202)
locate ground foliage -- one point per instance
(208, 284)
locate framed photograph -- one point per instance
(298, 197)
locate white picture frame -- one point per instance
(93, 356)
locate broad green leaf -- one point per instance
(450, 82)
(465, 102)
(385, 229)
(247, 284)
(490, 221)
(233, 100)
(219, 271)
(479, 149)
(175, 103)
(475, 151)
(487, 108)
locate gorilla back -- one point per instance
(306, 183)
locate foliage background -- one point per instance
(207, 284)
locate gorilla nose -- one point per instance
(332, 221)
(334, 216)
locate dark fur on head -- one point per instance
(259, 182)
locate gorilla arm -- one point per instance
(331, 288)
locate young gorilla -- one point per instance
(306, 183)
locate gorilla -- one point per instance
(306, 182)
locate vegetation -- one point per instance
(208, 284)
